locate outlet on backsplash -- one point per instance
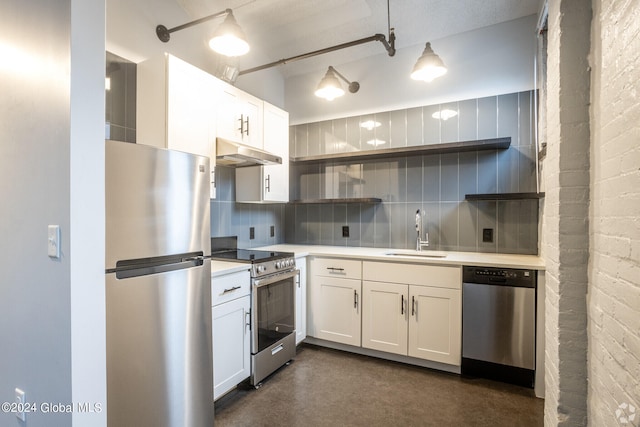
(345, 231)
(487, 235)
(272, 231)
(252, 233)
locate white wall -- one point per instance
(51, 322)
(488, 61)
(614, 267)
(565, 222)
(87, 211)
(131, 34)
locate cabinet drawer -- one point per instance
(413, 274)
(336, 267)
(229, 287)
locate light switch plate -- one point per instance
(21, 402)
(53, 241)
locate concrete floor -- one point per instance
(325, 387)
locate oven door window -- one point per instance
(275, 312)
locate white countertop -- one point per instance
(382, 254)
(220, 268)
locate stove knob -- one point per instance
(289, 262)
(261, 269)
(278, 265)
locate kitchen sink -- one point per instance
(419, 254)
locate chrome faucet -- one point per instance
(419, 242)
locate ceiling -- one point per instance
(279, 29)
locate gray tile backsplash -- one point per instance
(434, 183)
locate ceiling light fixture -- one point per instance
(330, 88)
(228, 39)
(429, 66)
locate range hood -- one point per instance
(230, 153)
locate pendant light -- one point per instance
(429, 66)
(228, 39)
(330, 88)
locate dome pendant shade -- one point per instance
(429, 66)
(329, 87)
(229, 39)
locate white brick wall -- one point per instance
(566, 210)
(614, 268)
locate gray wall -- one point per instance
(52, 172)
(120, 99)
(434, 183)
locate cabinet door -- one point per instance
(435, 324)
(301, 300)
(231, 345)
(276, 141)
(191, 112)
(175, 108)
(250, 110)
(227, 118)
(384, 316)
(335, 310)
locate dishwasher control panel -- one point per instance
(499, 276)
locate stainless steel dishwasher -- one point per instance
(499, 324)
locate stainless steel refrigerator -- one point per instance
(158, 288)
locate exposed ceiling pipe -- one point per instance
(388, 45)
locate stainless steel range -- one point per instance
(273, 329)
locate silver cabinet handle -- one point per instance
(335, 269)
(241, 128)
(355, 299)
(247, 122)
(267, 182)
(247, 323)
(235, 288)
(402, 304)
(413, 306)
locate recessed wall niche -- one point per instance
(120, 99)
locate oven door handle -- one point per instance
(275, 278)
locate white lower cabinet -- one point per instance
(416, 321)
(231, 331)
(406, 309)
(335, 290)
(301, 300)
(422, 320)
(384, 317)
(435, 324)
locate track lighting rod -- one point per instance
(164, 34)
(389, 47)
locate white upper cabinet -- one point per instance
(176, 108)
(182, 107)
(273, 179)
(239, 115)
